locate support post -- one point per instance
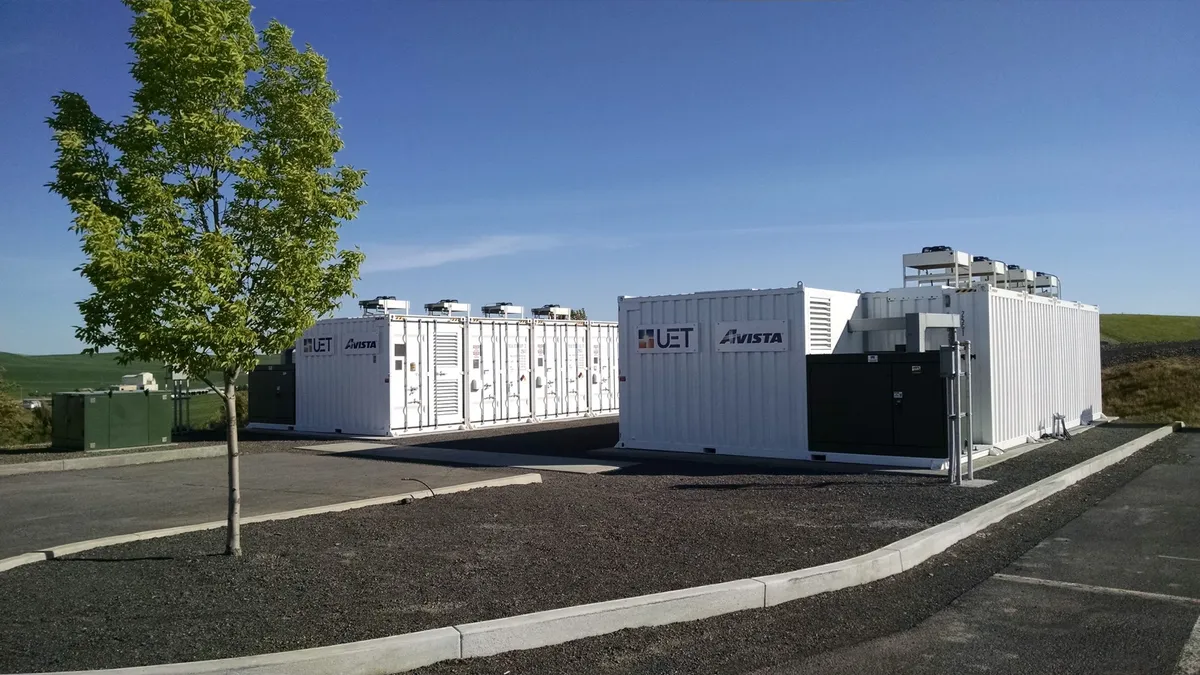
(970, 413)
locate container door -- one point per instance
(498, 372)
(448, 372)
(518, 405)
(602, 384)
(545, 400)
(850, 406)
(479, 368)
(406, 392)
(919, 417)
(576, 366)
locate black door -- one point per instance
(919, 409)
(849, 406)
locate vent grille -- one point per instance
(445, 350)
(445, 398)
(820, 325)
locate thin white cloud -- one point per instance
(391, 258)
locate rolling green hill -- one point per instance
(1148, 328)
(43, 375)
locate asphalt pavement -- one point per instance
(1117, 590)
(49, 509)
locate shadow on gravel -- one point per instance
(814, 486)
(30, 450)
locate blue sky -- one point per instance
(571, 151)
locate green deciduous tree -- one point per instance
(579, 314)
(209, 215)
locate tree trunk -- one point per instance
(233, 540)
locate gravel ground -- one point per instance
(748, 641)
(1133, 352)
(572, 437)
(478, 555)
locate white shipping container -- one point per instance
(1035, 356)
(391, 375)
(725, 371)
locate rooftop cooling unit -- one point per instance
(552, 312)
(384, 304)
(1047, 285)
(504, 310)
(984, 270)
(447, 307)
(938, 266)
(1018, 278)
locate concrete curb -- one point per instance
(23, 559)
(369, 657)
(80, 546)
(484, 638)
(556, 626)
(109, 461)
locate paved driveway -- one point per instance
(1117, 590)
(50, 509)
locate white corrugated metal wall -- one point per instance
(1045, 359)
(1035, 356)
(690, 397)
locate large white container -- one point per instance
(380, 375)
(1035, 356)
(500, 369)
(725, 371)
(391, 375)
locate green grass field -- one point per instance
(44, 375)
(1148, 328)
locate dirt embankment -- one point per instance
(1133, 352)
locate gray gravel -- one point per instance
(478, 555)
(747, 642)
(1133, 352)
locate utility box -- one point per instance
(891, 404)
(111, 419)
(80, 420)
(272, 396)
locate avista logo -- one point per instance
(734, 337)
(360, 344)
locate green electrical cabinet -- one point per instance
(80, 420)
(105, 420)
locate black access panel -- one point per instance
(891, 404)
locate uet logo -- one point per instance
(678, 337)
(360, 344)
(732, 336)
(318, 345)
